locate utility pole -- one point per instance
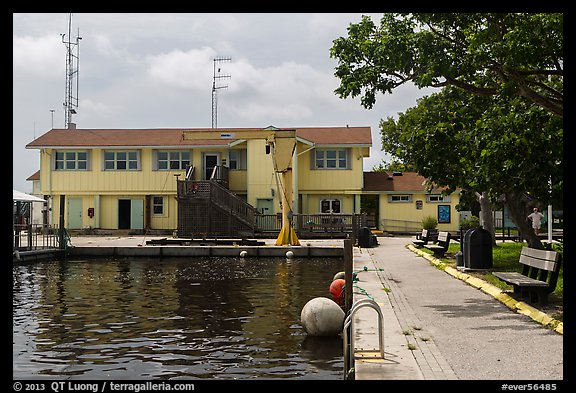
(216, 87)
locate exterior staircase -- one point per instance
(207, 208)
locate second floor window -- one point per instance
(173, 160)
(71, 161)
(331, 159)
(237, 159)
(121, 160)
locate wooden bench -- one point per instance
(421, 239)
(540, 269)
(441, 245)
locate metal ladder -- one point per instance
(349, 334)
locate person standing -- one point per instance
(536, 218)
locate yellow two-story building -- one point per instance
(127, 178)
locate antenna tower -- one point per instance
(216, 87)
(72, 62)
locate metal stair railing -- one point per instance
(348, 332)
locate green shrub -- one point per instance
(470, 223)
(429, 222)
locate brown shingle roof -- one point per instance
(386, 181)
(174, 137)
(34, 176)
(337, 135)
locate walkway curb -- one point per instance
(518, 306)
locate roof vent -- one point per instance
(395, 173)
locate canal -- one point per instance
(188, 318)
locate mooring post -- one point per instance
(61, 222)
(347, 275)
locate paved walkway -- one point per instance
(440, 327)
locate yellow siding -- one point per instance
(238, 181)
(260, 173)
(102, 189)
(407, 211)
(311, 205)
(96, 180)
(329, 180)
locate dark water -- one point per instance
(219, 318)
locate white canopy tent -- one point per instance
(23, 197)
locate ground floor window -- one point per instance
(158, 205)
(330, 206)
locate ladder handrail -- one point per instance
(349, 323)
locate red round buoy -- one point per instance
(337, 291)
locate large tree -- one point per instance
(482, 53)
(510, 65)
(494, 145)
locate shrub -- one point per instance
(429, 222)
(470, 223)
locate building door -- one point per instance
(210, 161)
(74, 213)
(137, 214)
(130, 214)
(124, 213)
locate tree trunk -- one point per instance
(517, 213)
(486, 216)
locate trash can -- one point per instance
(364, 237)
(477, 249)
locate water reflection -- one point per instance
(188, 318)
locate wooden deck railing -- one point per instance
(205, 193)
(310, 225)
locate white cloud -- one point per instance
(42, 56)
(288, 91)
(192, 69)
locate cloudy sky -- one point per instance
(156, 70)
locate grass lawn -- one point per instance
(505, 258)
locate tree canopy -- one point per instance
(482, 143)
(485, 54)
(495, 126)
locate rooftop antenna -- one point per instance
(215, 88)
(72, 62)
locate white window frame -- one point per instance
(155, 204)
(118, 159)
(437, 198)
(173, 157)
(323, 159)
(237, 159)
(331, 202)
(400, 198)
(71, 157)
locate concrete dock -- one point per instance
(436, 326)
